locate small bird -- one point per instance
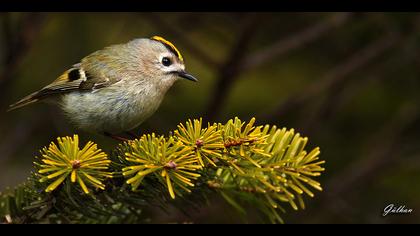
(115, 89)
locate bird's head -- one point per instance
(160, 61)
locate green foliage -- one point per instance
(248, 165)
(86, 165)
(168, 159)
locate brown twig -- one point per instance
(18, 44)
(336, 76)
(230, 70)
(381, 154)
(236, 65)
(295, 41)
(340, 93)
(343, 93)
(379, 149)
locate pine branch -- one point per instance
(248, 165)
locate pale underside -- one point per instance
(113, 109)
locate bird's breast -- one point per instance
(113, 109)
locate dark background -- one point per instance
(348, 81)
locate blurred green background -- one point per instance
(348, 81)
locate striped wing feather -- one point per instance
(73, 79)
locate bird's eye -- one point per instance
(166, 61)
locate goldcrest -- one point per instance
(117, 88)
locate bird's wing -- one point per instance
(77, 78)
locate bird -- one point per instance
(117, 88)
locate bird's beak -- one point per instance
(185, 75)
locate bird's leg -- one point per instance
(118, 138)
(131, 134)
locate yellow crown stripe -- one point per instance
(169, 44)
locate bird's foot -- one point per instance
(118, 138)
(133, 135)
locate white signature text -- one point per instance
(393, 209)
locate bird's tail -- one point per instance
(31, 98)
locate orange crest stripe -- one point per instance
(170, 45)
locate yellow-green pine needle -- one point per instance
(83, 185)
(55, 184)
(66, 159)
(169, 184)
(73, 176)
